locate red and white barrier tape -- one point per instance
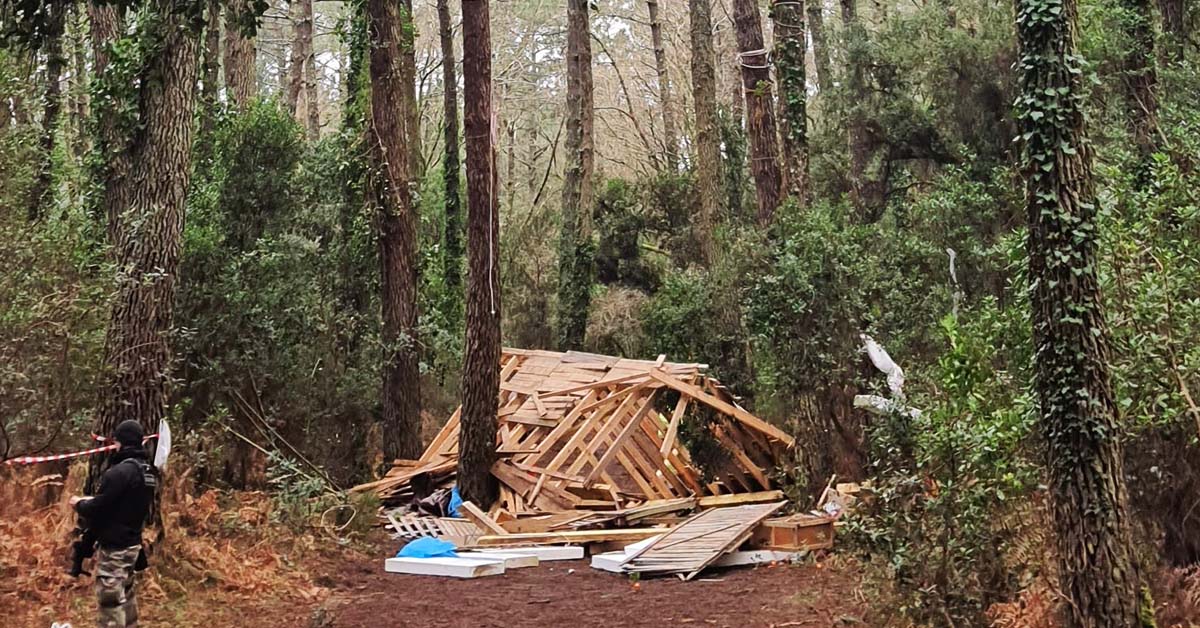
(74, 454)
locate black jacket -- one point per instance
(118, 511)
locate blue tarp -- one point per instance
(456, 500)
(427, 547)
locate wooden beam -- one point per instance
(673, 428)
(570, 537)
(738, 413)
(720, 501)
(622, 436)
(469, 510)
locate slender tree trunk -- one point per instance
(793, 95)
(481, 360)
(760, 109)
(412, 116)
(707, 141)
(114, 160)
(395, 215)
(861, 197)
(1097, 569)
(312, 88)
(210, 69)
(1141, 80)
(241, 77)
(820, 44)
(41, 196)
(575, 247)
(452, 239)
(301, 14)
(1174, 27)
(81, 99)
(137, 352)
(670, 134)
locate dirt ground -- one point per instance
(572, 594)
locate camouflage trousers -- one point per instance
(114, 587)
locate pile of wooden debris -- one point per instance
(589, 454)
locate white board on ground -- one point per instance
(511, 561)
(544, 552)
(613, 561)
(445, 566)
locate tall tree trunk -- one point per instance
(670, 135)
(81, 99)
(301, 14)
(241, 77)
(707, 141)
(760, 108)
(1174, 27)
(395, 215)
(820, 44)
(114, 160)
(861, 196)
(575, 247)
(210, 67)
(452, 240)
(137, 351)
(793, 95)
(41, 195)
(412, 116)
(312, 88)
(1097, 569)
(481, 360)
(1141, 80)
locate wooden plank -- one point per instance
(673, 427)
(448, 567)
(745, 417)
(597, 384)
(622, 436)
(469, 510)
(739, 499)
(696, 543)
(569, 537)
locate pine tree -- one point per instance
(452, 239)
(760, 108)
(704, 95)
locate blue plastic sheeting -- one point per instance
(456, 500)
(427, 547)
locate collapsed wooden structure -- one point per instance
(580, 431)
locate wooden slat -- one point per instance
(622, 436)
(745, 417)
(469, 510)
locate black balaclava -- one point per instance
(129, 434)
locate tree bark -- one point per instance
(241, 77)
(302, 69)
(760, 111)
(41, 196)
(708, 152)
(107, 25)
(1174, 27)
(137, 352)
(862, 196)
(1098, 572)
(820, 44)
(575, 249)
(1141, 80)
(395, 216)
(452, 239)
(793, 95)
(670, 134)
(210, 69)
(481, 360)
(412, 116)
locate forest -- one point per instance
(302, 232)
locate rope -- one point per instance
(23, 460)
(761, 52)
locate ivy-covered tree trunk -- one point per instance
(210, 67)
(793, 95)
(241, 76)
(112, 162)
(1097, 569)
(396, 220)
(760, 109)
(452, 239)
(575, 245)
(137, 348)
(1174, 28)
(481, 360)
(41, 196)
(862, 196)
(302, 64)
(1140, 78)
(412, 107)
(707, 148)
(670, 134)
(820, 44)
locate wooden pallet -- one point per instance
(698, 542)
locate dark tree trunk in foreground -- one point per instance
(670, 134)
(481, 360)
(1141, 80)
(452, 240)
(302, 68)
(707, 140)
(395, 215)
(575, 246)
(820, 46)
(137, 351)
(1098, 573)
(707, 169)
(760, 113)
(110, 141)
(412, 107)
(41, 195)
(241, 79)
(793, 95)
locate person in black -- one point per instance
(116, 515)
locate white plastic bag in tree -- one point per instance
(163, 449)
(882, 361)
